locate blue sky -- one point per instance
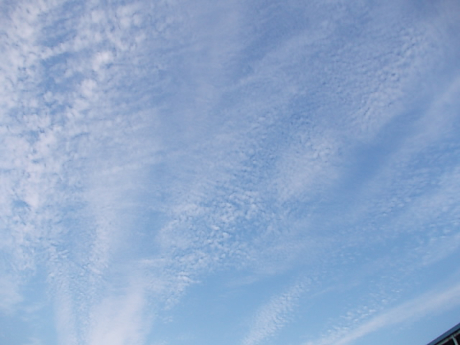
(234, 172)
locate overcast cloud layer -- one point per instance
(233, 173)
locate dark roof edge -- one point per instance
(445, 335)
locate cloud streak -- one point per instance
(431, 303)
(148, 146)
(274, 315)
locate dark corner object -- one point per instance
(451, 337)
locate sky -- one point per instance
(229, 172)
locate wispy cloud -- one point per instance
(190, 114)
(61, 179)
(274, 315)
(120, 319)
(9, 293)
(430, 303)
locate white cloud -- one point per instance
(430, 303)
(9, 294)
(120, 319)
(51, 160)
(89, 121)
(274, 315)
